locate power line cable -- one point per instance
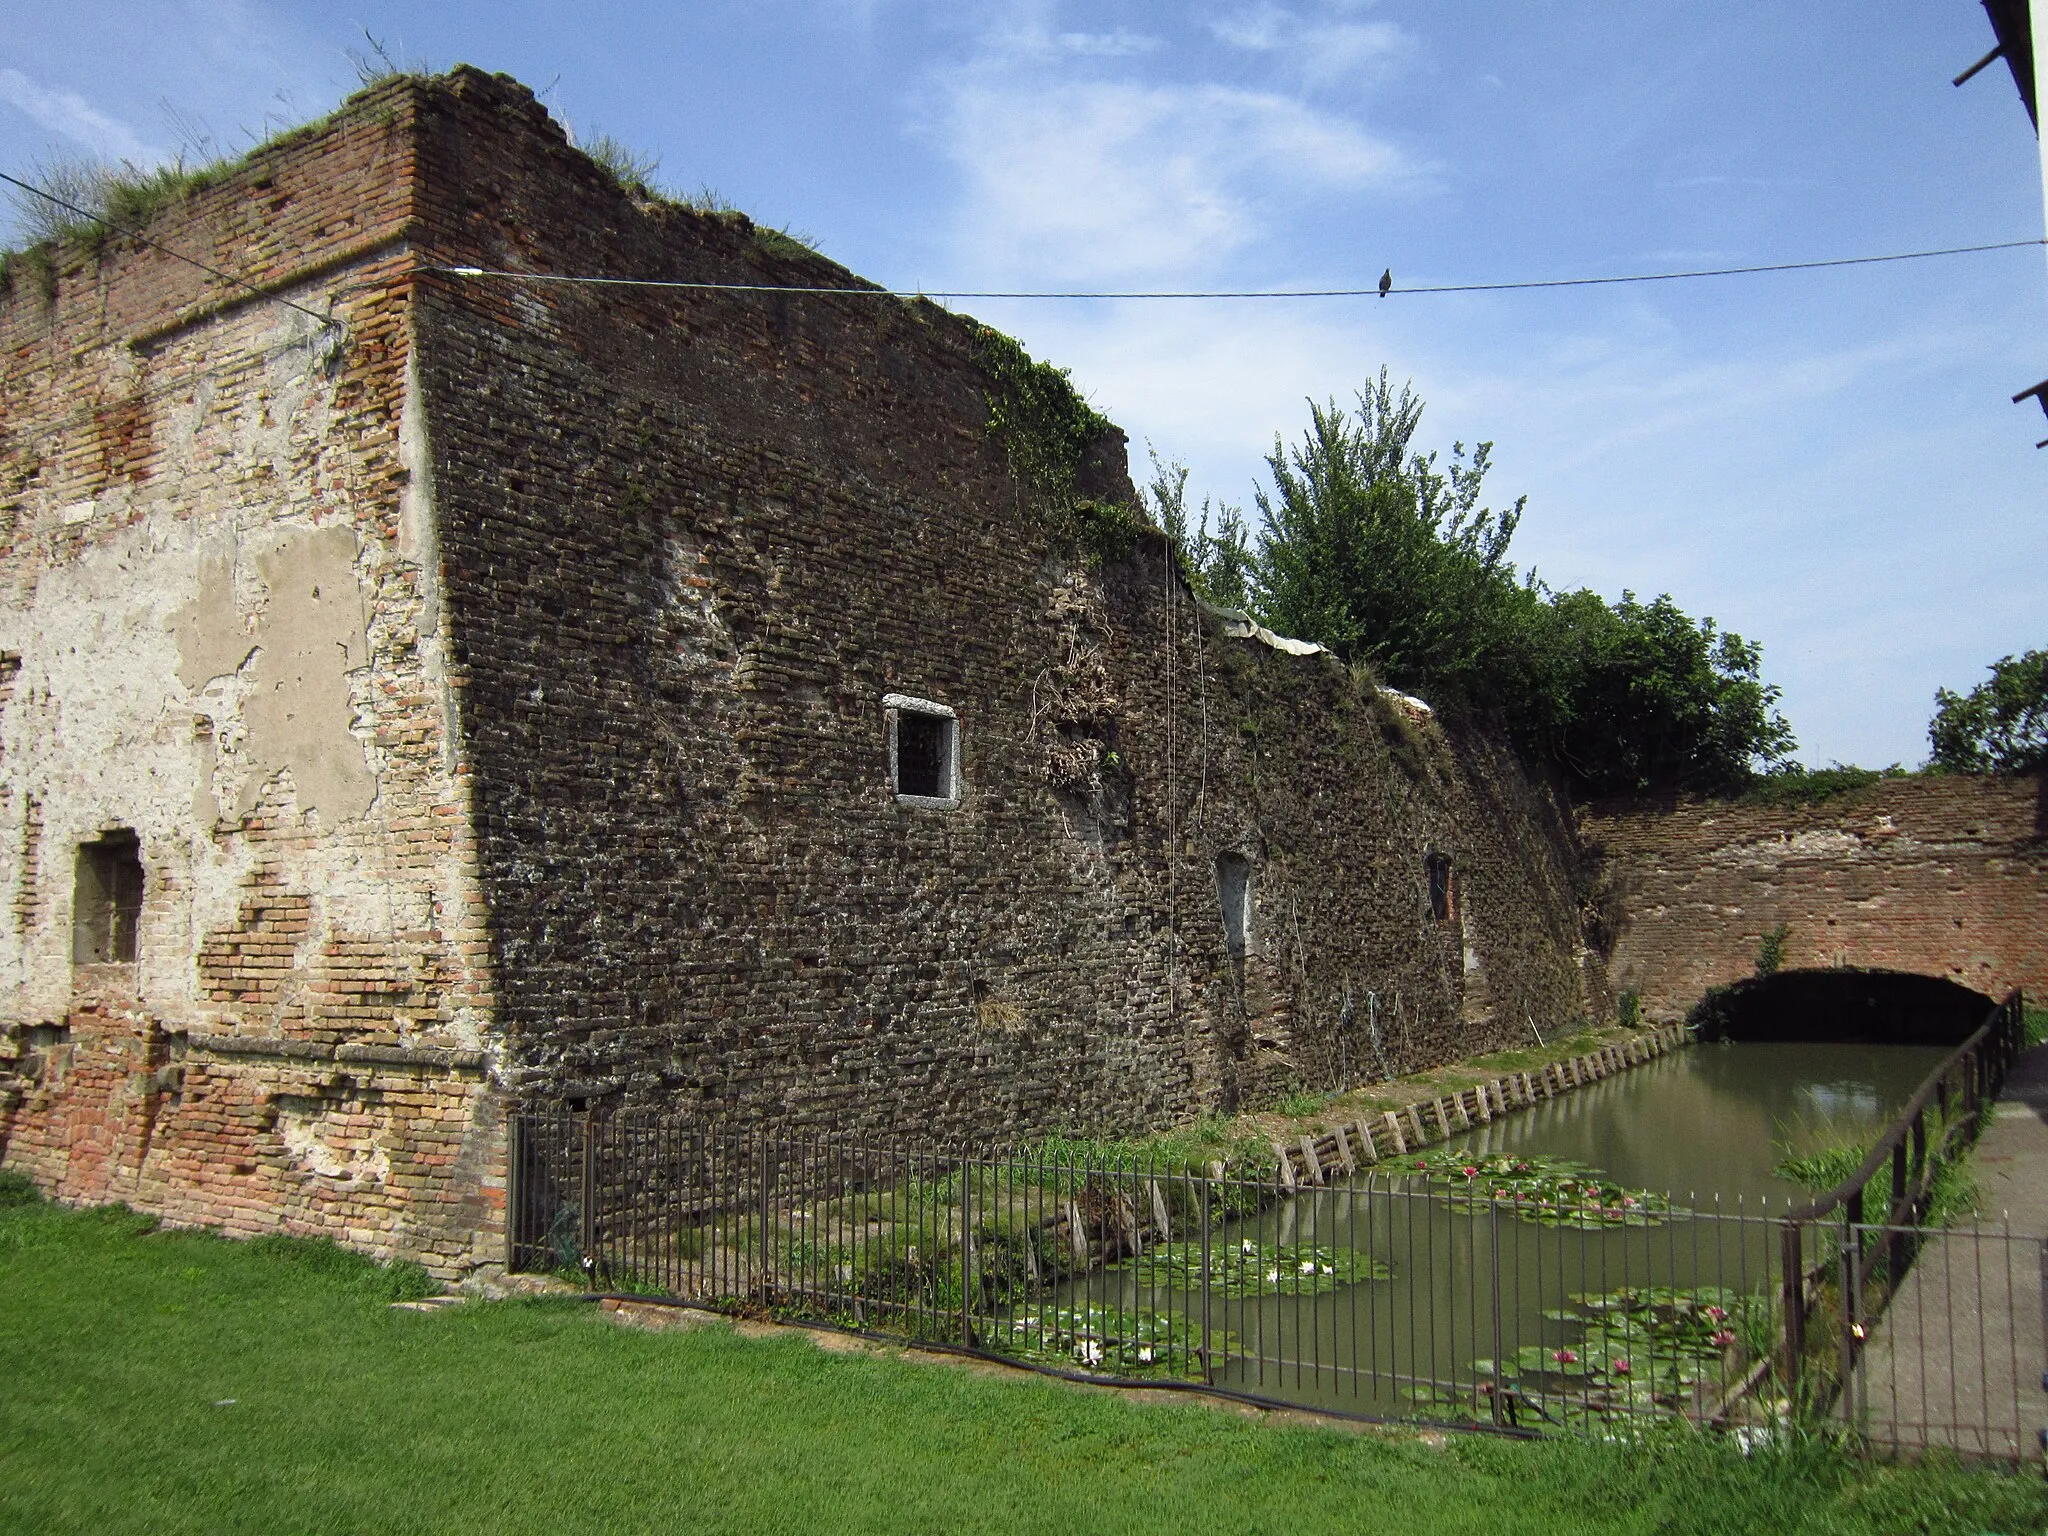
(158, 245)
(1225, 293)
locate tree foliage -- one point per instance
(1999, 726)
(1633, 696)
(1389, 556)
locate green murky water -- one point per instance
(1707, 1121)
(1467, 1283)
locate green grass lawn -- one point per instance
(167, 1381)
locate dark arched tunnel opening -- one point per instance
(1848, 1007)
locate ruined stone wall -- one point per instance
(1945, 876)
(219, 631)
(495, 691)
(691, 544)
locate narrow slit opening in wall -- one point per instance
(106, 902)
(1437, 871)
(1234, 890)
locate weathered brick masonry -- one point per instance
(221, 626)
(1941, 876)
(496, 692)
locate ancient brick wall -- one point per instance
(691, 544)
(218, 628)
(1943, 876)
(494, 691)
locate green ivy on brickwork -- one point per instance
(1045, 425)
(1047, 429)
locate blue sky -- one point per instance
(1826, 462)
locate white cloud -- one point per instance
(1107, 45)
(1107, 180)
(1259, 28)
(69, 114)
(1320, 52)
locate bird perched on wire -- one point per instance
(1386, 281)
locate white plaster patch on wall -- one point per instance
(324, 1142)
(275, 681)
(310, 638)
(1825, 843)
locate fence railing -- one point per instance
(1500, 1295)
(1840, 1258)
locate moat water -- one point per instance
(1712, 1120)
(1471, 1283)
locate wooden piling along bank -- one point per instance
(1339, 1153)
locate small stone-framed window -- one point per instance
(924, 751)
(1443, 896)
(106, 900)
(1234, 891)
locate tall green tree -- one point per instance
(1631, 696)
(1367, 546)
(1387, 555)
(1999, 726)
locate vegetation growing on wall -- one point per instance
(1770, 950)
(1045, 426)
(1791, 785)
(1388, 555)
(1048, 431)
(87, 202)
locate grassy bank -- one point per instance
(177, 1382)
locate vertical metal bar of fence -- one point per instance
(767, 1161)
(587, 1212)
(1314, 1340)
(515, 1189)
(1793, 1287)
(1493, 1268)
(966, 1253)
(1205, 1194)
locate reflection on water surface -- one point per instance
(1710, 1120)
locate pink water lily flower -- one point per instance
(1564, 1357)
(1620, 1367)
(1724, 1338)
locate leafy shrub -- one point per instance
(2000, 726)
(1770, 953)
(1792, 785)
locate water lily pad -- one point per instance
(1245, 1267)
(1548, 1191)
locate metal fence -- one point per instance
(1496, 1293)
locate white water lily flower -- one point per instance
(1273, 1276)
(1145, 1357)
(1248, 1246)
(1308, 1266)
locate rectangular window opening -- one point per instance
(106, 902)
(924, 747)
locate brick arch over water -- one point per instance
(1843, 1007)
(1943, 877)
